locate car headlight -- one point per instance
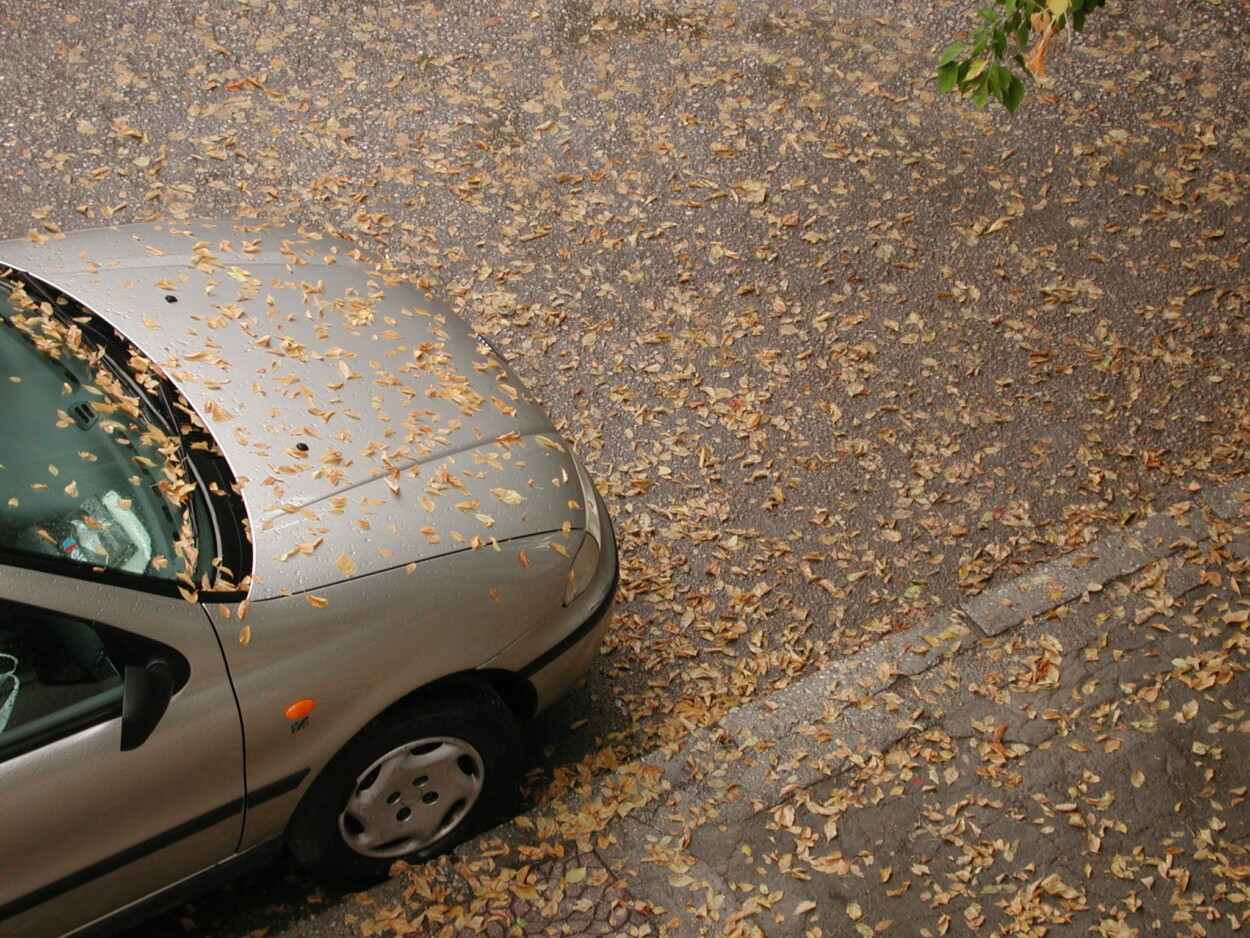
(586, 560)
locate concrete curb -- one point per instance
(1071, 576)
(918, 648)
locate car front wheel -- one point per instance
(411, 785)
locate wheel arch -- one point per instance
(517, 694)
(504, 692)
(514, 690)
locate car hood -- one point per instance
(367, 425)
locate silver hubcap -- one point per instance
(411, 797)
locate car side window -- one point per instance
(56, 676)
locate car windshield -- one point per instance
(89, 473)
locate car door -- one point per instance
(86, 826)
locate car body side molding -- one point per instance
(136, 914)
(118, 860)
(276, 789)
(108, 865)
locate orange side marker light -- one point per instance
(297, 711)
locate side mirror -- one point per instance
(146, 692)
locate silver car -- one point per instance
(286, 556)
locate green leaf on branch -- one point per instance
(953, 52)
(985, 66)
(1013, 94)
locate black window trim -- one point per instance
(112, 577)
(101, 713)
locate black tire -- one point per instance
(409, 786)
